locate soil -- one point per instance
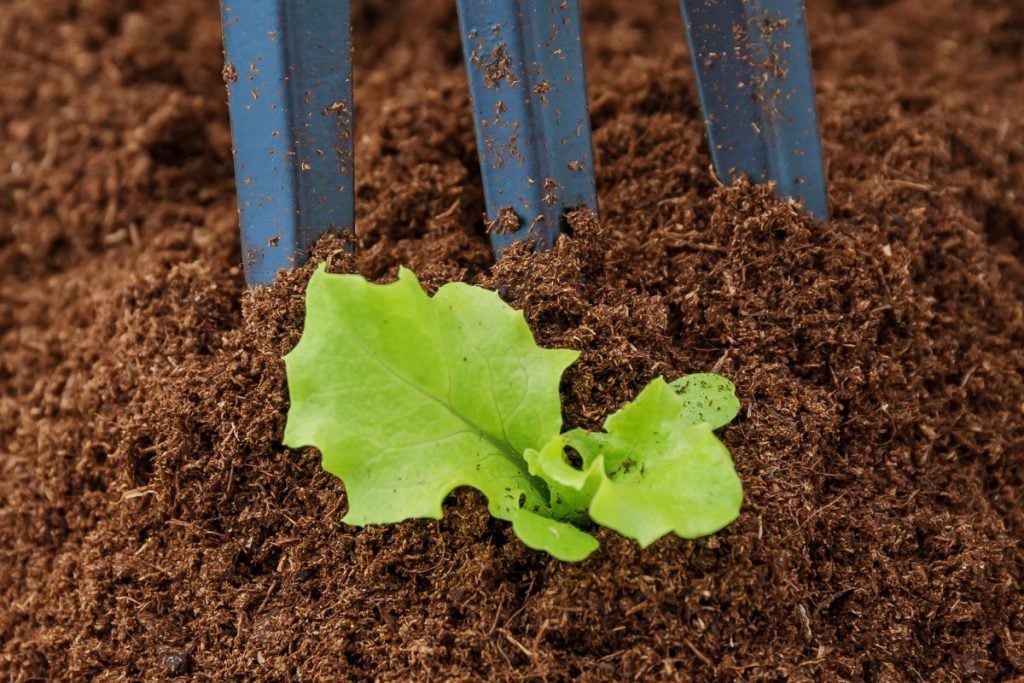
(152, 527)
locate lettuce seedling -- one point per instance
(409, 396)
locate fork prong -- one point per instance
(524, 59)
(289, 75)
(753, 67)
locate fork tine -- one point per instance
(524, 59)
(289, 75)
(753, 67)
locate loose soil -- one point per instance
(152, 527)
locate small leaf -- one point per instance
(561, 540)
(408, 397)
(658, 472)
(569, 489)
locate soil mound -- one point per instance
(152, 527)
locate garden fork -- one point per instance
(289, 73)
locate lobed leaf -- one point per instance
(409, 396)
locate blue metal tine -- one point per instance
(525, 64)
(753, 67)
(289, 73)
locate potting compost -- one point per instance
(152, 527)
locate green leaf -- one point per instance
(653, 471)
(409, 396)
(569, 490)
(561, 540)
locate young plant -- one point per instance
(409, 396)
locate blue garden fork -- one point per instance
(289, 73)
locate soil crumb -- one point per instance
(152, 527)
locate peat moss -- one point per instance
(151, 526)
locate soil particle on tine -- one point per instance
(152, 527)
(505, 223)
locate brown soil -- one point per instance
(151, 526)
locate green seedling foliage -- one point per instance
(409, 396)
